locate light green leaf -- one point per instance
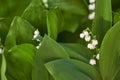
(52, 24)
(103, 18)
(63, 69)
(3, 68)
(48, 51)
(110, 53)
(87, 69)
(20, 31)
(20, 60)
(77, 51)
(35, 13)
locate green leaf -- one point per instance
(73, 6)
(3, 68)
(35, 13)
(20, 60)
(52, 24)
(48, 51)
(103, 18)
(77, 51)
(110, 53)
(20, 31)
(87, 69)
(63, 69)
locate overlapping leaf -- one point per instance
(20, 61)
(49, 51)
(110, 54)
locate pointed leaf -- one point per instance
(63, 69)
(20, 61)
(20, 31)
(110, 53)
(48, 51)
(103, 18)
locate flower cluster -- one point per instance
(92, 44)
(45, 2)
(1, 49)
(87, 36)
(91, 8)
(36, 37)
(93, 61)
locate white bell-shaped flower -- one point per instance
(87, 38)
(91, 16)
(91, 46)
(91, 1)
(82, 35)
(92, 7)
(98, 56)
(92, 61)
(94, 42)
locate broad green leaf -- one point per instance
(73, 6)
(48, 51)
(87, 69)
(20, 31)
(20, 60)
(8, 10)
(35, 13)
(110, 53)
(77, 51)
(3, 68)
(64, 69)
(103, 18)
(52, 24)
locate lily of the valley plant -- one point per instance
(59, 40)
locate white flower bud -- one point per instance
(38, 46)
(91, 46)
(35, 36)
(91, 16)
(92, 7)
(45, 1)
(91, 1)
(1, 50)
(85, 33)
(87, 38)
(46, 5)
(92, 61)
(98, 56)
(82, 35)
(36, 32)
(94, 42)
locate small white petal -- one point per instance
(91, 1)
(36, 32)
(91, 16)
(98, 56)
(85, 33)
(87, 38)
(94, 42)
(82, 35)
(92, 61)
(35, 36)
(45, 1)
(91, 46)
(46, 5)
(38, 40)
(37, 47)
(92, 7)
(1, 50)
